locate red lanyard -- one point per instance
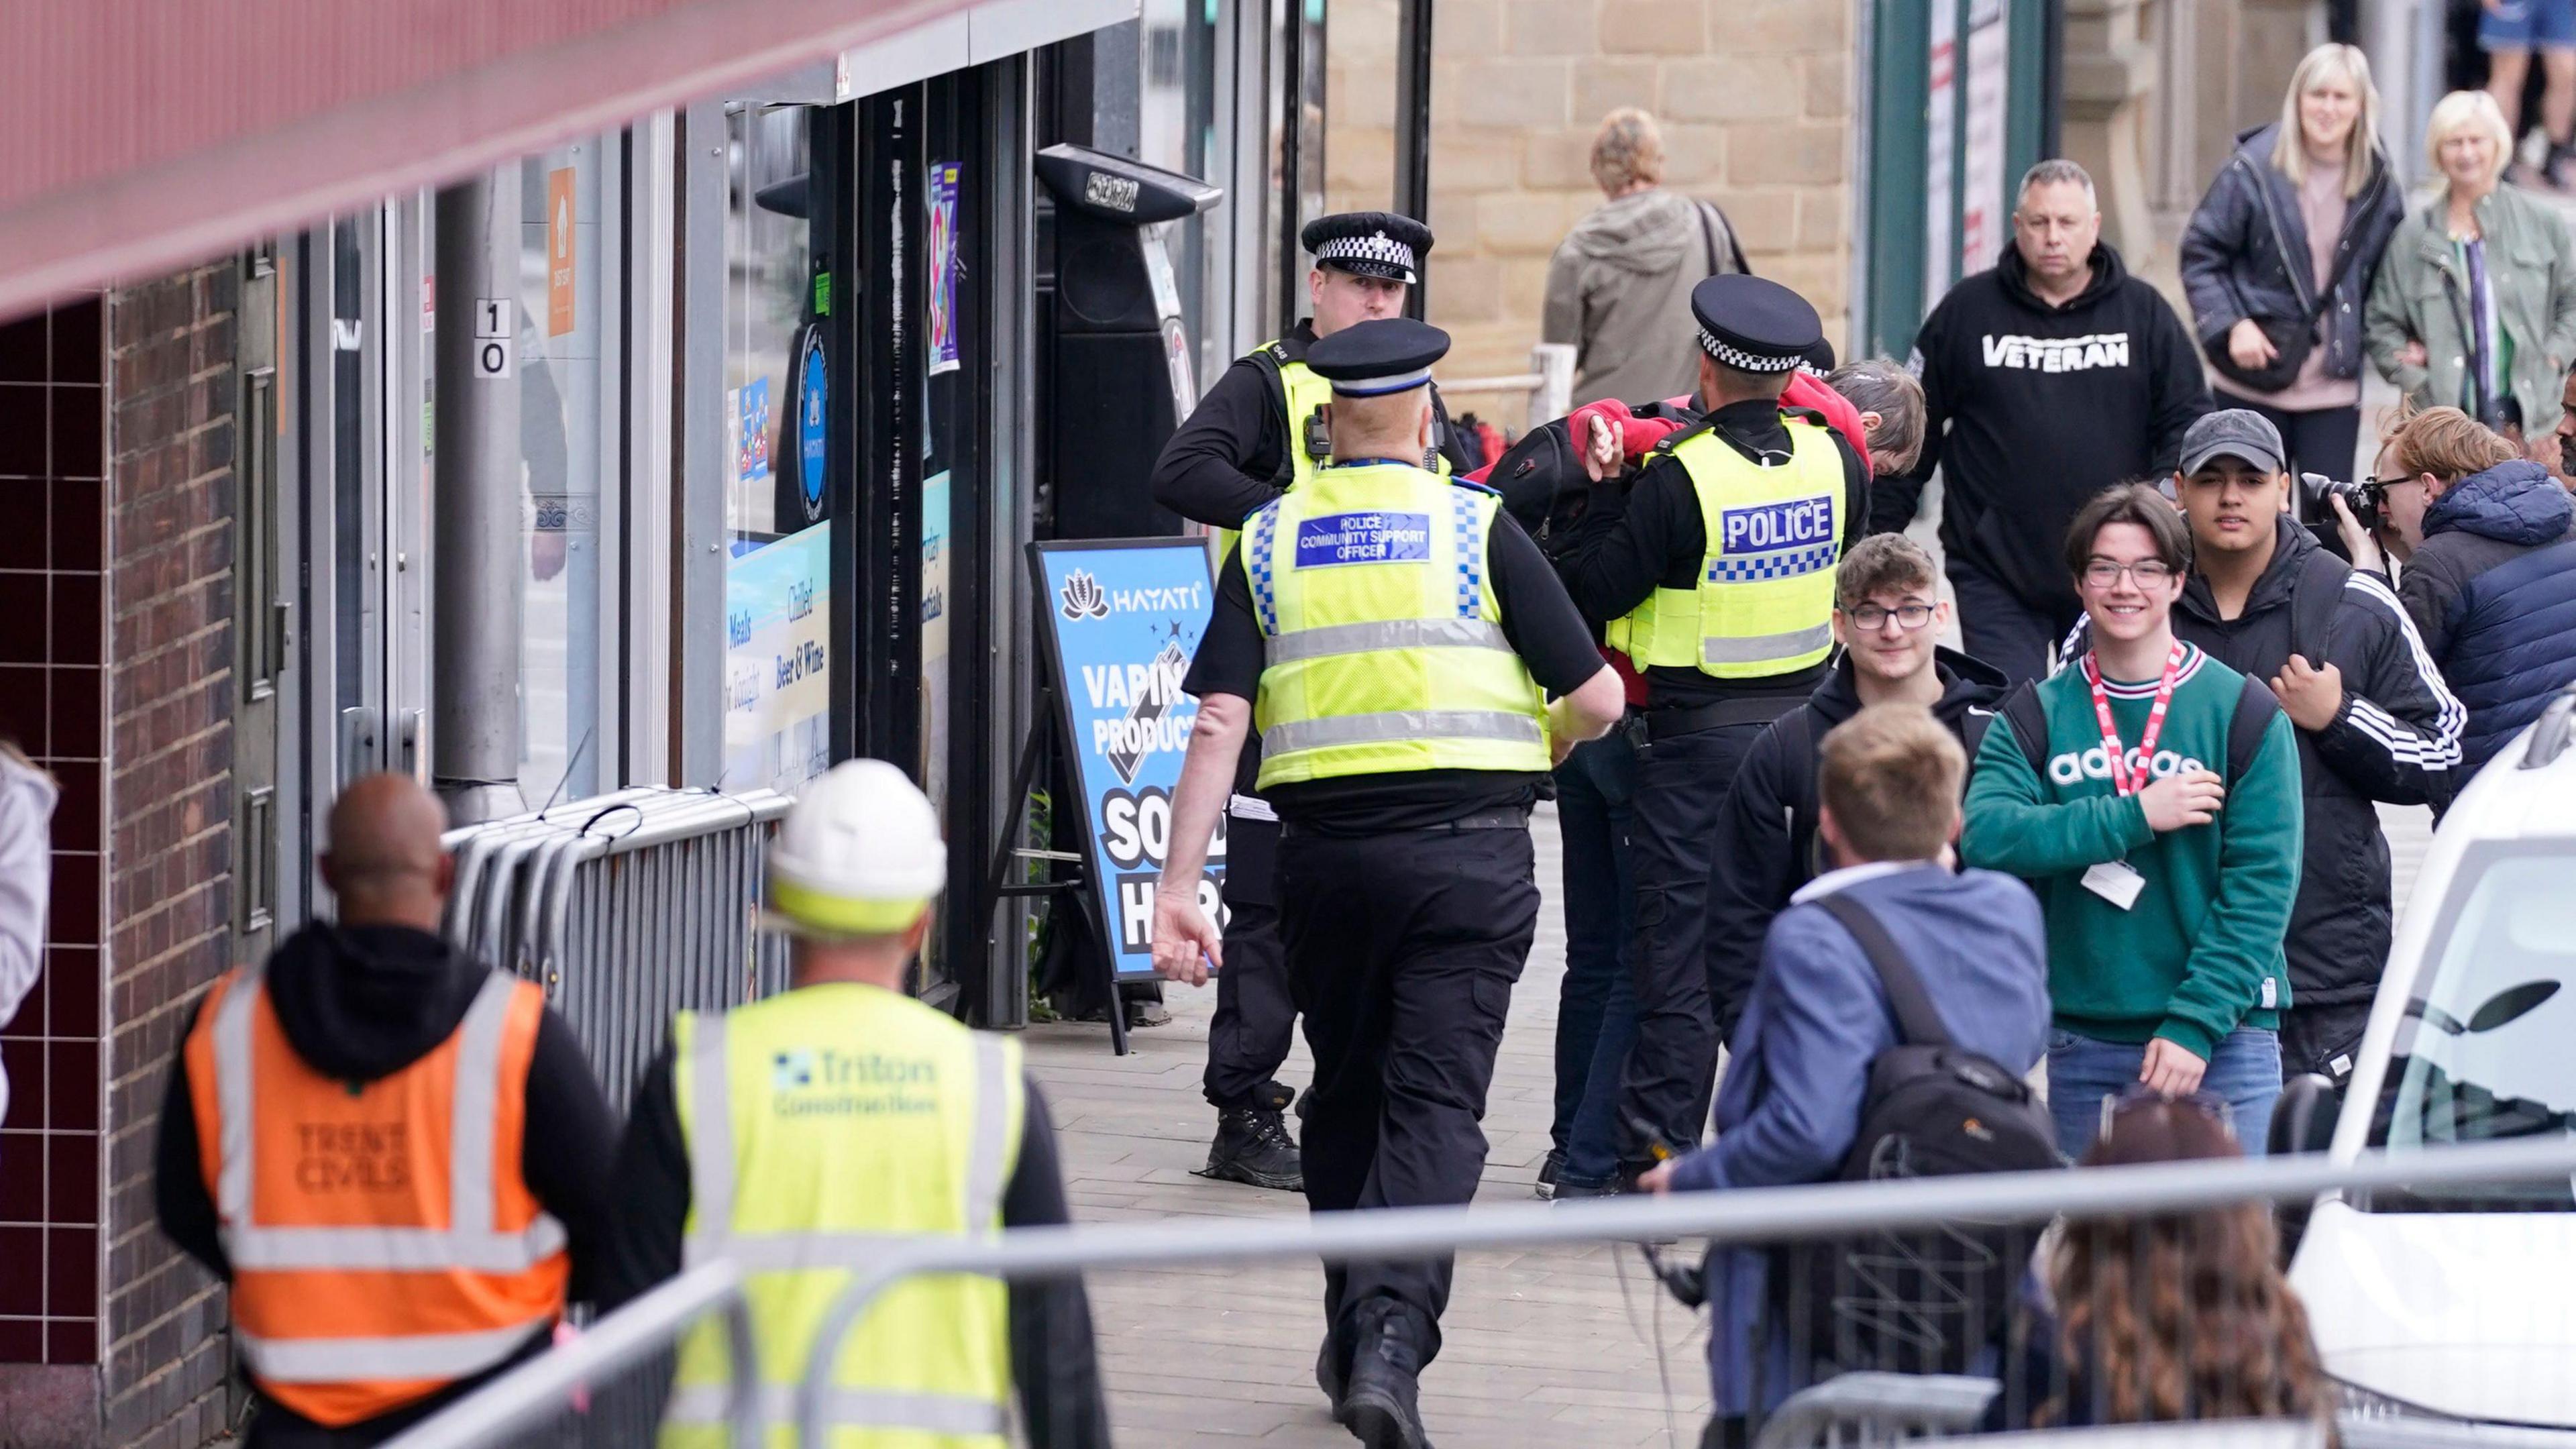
(2120, 779)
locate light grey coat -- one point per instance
(2422, 294)
(26, 879)
(1619, 289)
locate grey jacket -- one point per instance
(1619, 290)
(2422, 294)
(26, 878)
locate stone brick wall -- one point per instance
(169, 887)
(1753, 96)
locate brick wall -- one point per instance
(169, 886)
(1753, 96)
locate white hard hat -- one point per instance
(859, 855)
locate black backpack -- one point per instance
(1918, 1300)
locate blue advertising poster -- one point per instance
(1124, 616)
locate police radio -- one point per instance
(1319, 437)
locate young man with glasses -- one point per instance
(1888, 617)
(2161, 831)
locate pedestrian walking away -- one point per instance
(2475, 303)
(2376, 724)
(2150, 795)
(1712, 569)
(1257, 431)
(1832, 1002)
(793, 1135)
(1391, 633)
(1888, 618)
(370, 1096)
(2487, 541)
(2045, 381)
(2277, 260)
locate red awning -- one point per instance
(143, 135)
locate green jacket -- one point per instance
(2199, 953)
(2422, 294)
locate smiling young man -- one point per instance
(2375, 722)
(1888, 617)
(2162, 835)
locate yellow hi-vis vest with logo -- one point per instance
(1300, 394)
(1385, 649)
(1764, 603)
(820, 1123)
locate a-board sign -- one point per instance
(1123, 618)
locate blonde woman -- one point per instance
(2278, 259)
(2475, 304)
(1619, 285)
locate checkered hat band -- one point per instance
(1743, 361)
(1386, 251)
(1381, 386)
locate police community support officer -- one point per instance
(1257, 431)
(1717, 580)
(794, 1135)
(395, 1155)
(1390, 632)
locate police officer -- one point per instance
(1714, 571)
(394, 1155)
(1391, 633)
(1256, 432)
(790, 1134)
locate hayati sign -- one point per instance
(1123, 618)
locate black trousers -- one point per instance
(1402, 950)
(1255, 1016)
(1999, 628)
(1682, 785)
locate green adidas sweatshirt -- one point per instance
(2199, 953)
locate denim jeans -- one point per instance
(1596, 1014)
(2245, 1073)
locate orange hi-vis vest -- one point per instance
(383, 1242)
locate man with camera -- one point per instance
(2375, 722)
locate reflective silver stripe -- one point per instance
(1401, 724)
(1762, 648)
(984, 1150)
(1332, 639)
(393, 1250)
(848, 1408)
(234, 1095)
(478, 1095)
(710, 1142)
(413, 1356)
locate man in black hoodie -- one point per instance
(2045, 381)
(2375, 721)
(363, 998)
(1888, 617)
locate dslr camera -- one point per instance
(2362, 498)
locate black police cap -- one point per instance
(1371, 359)
(1753, 324)
(1369, 244)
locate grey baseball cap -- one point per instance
(2232, 433)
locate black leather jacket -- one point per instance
(2245, 253)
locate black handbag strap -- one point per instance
(1915, 1018)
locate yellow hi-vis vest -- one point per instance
(819, 1123)
(1385, 644)
(1300, 394)
(1764, 603)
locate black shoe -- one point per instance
(1253, 1146)
(1548, 1169)
(1331, 1374)
(1577, 1191)
(1380, 1405)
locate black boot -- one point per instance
(1380, 1405)
(1253, 1146)
(1331, 1374)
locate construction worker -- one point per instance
(792, 1134)
(1258, 430)
(1713, 568)
(1390, 631)
(395, 1156)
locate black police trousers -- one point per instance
(1250, 1033)
(1682, 785)
(1402, 950)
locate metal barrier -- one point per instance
(1750, 1216)
(1549, 384)
(625, 908)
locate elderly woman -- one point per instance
(2475, 303)
(2278, 259)
(1619, 286)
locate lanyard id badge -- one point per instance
(2121, 779)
